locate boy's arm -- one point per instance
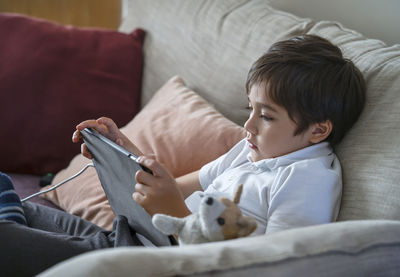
(158, 193)
(189, 183)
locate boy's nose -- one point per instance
(249, 126)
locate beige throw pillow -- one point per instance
(177, 125)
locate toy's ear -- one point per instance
(167, 224)
(247, 225)
(238, 193)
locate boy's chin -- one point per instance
(254, 157)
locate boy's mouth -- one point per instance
(252, 145)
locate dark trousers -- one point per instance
(53, 236)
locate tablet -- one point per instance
(116, 168)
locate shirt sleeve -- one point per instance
(212, 170)
(304, 195)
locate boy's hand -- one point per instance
(158, 193)
(107, 128)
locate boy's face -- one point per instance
(270, 131)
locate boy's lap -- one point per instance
(27, 251)
(53, 220)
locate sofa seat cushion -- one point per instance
(51, 78)
(353, 248)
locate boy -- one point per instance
(303, 95)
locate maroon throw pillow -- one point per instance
(51, 78)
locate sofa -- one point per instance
(196, 55)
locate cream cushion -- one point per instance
(348, 249)
(370, 154)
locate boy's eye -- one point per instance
(266, 117)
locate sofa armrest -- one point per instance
(353, 248)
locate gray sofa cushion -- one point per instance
(352, 248)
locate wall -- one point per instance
(83, 13)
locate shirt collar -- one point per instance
(310, 152)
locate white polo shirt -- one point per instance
(298, 189)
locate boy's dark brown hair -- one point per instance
(308, 76)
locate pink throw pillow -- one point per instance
(177, 125)
(53, 77)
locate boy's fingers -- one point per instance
(85, 151)
(119, 142)
(76, 136)
(109, 123)
(142, 189)
(85, 124)
(143, 177)
(153, 165)
(138, 197)
(102, 129)
(114, 132)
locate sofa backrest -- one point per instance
(375, 19)
(370, 152)
(212, 45)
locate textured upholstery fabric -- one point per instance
(211, 44)
(370, 152)
(354, 248)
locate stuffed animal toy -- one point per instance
(217, 219)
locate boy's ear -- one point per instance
(320, 131)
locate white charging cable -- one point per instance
(59, 184)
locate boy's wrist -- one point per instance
(183, 212)
(178, 211)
